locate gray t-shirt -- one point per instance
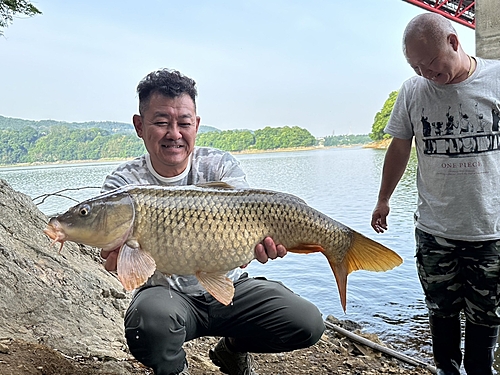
(205, 165)
(457, 138)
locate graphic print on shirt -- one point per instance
(465, 134)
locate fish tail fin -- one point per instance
(367, 254)
(134, 266)
(339, 269)
(363, 254)
(340, 273)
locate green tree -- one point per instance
(122, 146)
(11, 8)
(382, 117)
(346, 140)
(62, 143)
(295, 137)
(286, 137)
(227, 140)
(14, 144)
(267, 138)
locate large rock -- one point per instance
(64, 300)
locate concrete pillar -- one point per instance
(487, 15)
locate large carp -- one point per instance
(209, 230)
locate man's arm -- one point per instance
(395, 162)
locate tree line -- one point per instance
(346, 140)
(45, 125)
(60, 143)
(262, 139)
(26, 141)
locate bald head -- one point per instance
(432, 48)
(428, 29)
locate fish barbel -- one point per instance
(208, 230)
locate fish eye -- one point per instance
(84, 210)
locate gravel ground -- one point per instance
(333, 354)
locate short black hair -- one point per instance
(168, 82)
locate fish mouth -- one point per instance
(55, 233)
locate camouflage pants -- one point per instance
(460, 275)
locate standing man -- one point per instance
(458, 214)
(264, 316)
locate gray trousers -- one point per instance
(264, 317)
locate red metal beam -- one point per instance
(461, 11)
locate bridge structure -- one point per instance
(461, 11)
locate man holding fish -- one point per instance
(180, 222)
(264, 316)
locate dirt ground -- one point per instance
(333, 354)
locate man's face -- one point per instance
(168, 127)
(438, 63)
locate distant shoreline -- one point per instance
(290, 149)
(63, 162)
(376, 145)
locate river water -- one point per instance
(342, 183)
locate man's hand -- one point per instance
(396, 159)
(379, 216)
(268, 249)
(111, 258)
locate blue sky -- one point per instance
(327, 66)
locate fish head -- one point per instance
(104, 221)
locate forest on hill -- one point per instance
(50, 141)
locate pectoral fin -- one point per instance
(218, 285)
(134, 266)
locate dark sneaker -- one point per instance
(232, 363)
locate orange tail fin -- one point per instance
(363, 254)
